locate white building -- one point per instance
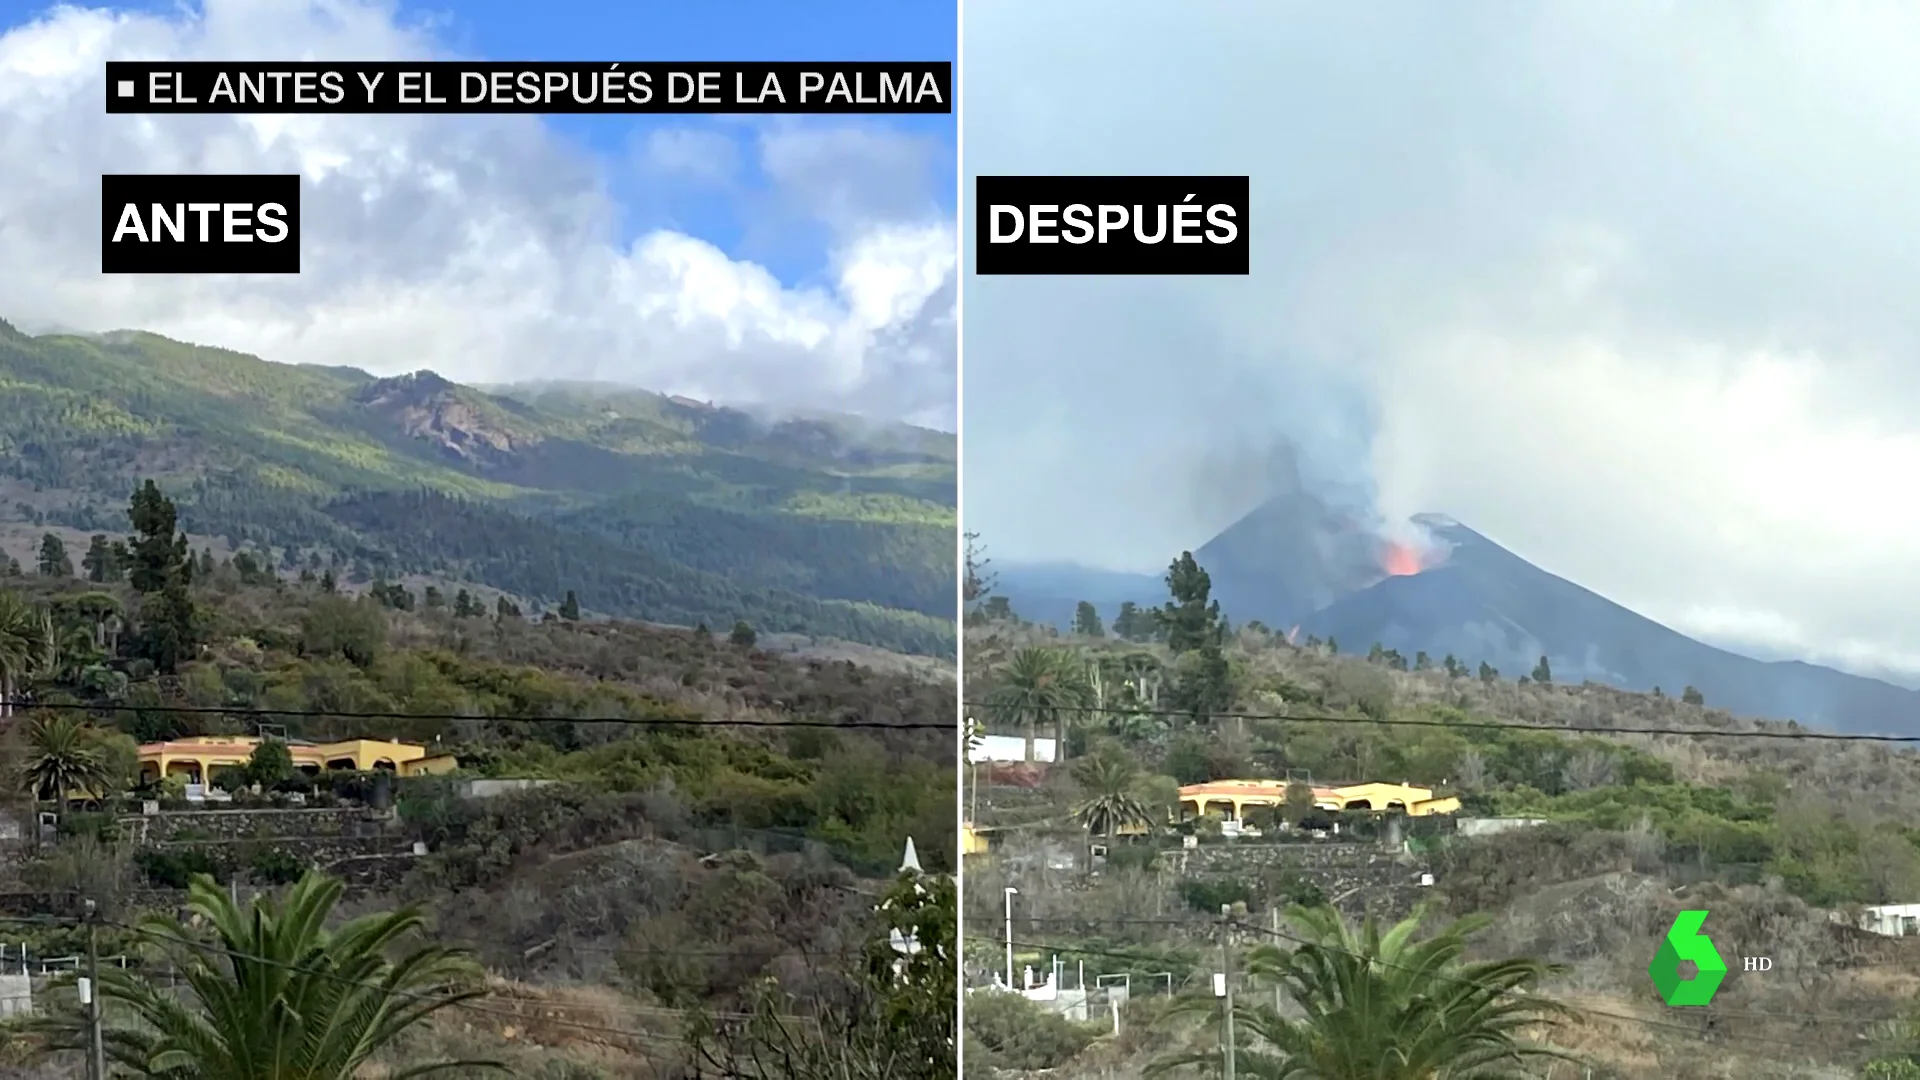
(1007, 748)
(1891, 920)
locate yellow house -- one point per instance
(1230, 798)
(972, 841)
(199, 757)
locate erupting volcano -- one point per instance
(1401, 560)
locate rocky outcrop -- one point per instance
(427, 407)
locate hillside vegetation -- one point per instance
(647, 507)
(718, 827)
(1776, 832)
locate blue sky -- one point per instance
(787, 262)
(713, 30)
(742, 220)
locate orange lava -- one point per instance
(1401, 560)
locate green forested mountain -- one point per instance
(645, 506)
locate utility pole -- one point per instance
(1279, 989)
(1226, 966)
(98, 1059)
(1010, 892)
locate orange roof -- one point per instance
(1227, 789)
(194, 746)
(214, 744)
(1230, 788)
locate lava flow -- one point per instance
(1401, 560)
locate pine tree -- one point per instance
(99, 562)
(53, 557)
(1086, 621)
(162, 572)
(1196, 634)
(1191, 620)
(570, 607)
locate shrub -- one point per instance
(1210, 896)
(276, 866)
(172, 869)
(1020, 1036)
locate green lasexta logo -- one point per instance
(1686, 942)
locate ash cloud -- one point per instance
(1622, 288)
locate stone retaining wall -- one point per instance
(1357, 878)
(313, 850)
(224, 825)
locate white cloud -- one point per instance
(485, 248)
(1626, 288)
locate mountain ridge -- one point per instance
(648, 507)
(1478, 602)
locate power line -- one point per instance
(627, 721)
(1495, 725)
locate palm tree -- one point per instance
(1040, 683)
(1387, 1007)
(26, 646)
(63, 756)
(74, 647)
(1107, 780)
(274, 995)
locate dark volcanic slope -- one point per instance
(1487, 603)
(1292, 555)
